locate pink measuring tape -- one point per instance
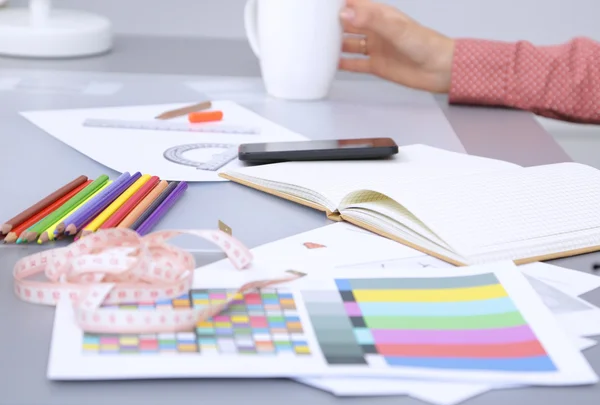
(118, 266)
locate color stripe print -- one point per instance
(462, 323)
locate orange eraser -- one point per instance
(205, 116)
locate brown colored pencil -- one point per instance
(141, 207)
(40, 205)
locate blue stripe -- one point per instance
(527, 364)
(270, 301)
(461, 308)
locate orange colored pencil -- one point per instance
(141, 207)
(130, 204)
(15, 233)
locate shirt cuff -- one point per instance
(480, 72)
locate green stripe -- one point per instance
(503, 320)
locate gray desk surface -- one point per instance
(155, 77)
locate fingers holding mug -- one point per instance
(356, 45)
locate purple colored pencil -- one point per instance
(162, 209)
(90, 211)
(80, 213)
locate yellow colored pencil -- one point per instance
(114, 206)
(49, 233)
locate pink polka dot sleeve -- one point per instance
(558, 81)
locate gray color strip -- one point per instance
(423, 283)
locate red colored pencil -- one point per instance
(120, 214)
(15, 233)
(8, 226)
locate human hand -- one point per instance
(397, 48)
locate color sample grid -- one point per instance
(462, 323)
(141, 344)
(263, 323)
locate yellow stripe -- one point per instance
(112, 208)
(129, 341)
(52, 228)
(441, 295)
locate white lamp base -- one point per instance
(63, 34)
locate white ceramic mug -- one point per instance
(298, 43)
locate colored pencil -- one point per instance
(116, 218)
(86, 212)
(40, 205)
(162, 209)
(48, 235)
(142, 218)
(34, 232)
(114, 206)
(94, 210)
(14, 234)
(143, 205)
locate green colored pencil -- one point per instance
(34, 232)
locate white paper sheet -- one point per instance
(337, 245)
(566, 280)
(564, 365)
(434, 392)
(575, 315)
(143, 150)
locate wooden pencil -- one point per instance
(162, 209)
(119, 215)
(155, 204)
(16, 232)
(205, 105)
(143, 205)
(93, 225)
(49, 235)
(40, 205)
(34, 232)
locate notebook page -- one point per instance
(393, 212)
(483, 212)
(335, 179)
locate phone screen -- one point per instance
(317, 145)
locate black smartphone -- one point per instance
(330, 149)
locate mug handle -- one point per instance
(250, 17)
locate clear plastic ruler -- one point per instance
(170, 126)
(217, 156)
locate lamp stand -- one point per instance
(42, 32)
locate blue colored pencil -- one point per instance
(92, 210)
(162, 209)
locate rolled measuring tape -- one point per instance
(118, 266)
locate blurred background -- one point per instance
(539, 21)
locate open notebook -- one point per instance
(460, 208)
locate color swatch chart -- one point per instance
(260, 323)
(462, 323)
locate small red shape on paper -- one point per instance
(311, 245)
